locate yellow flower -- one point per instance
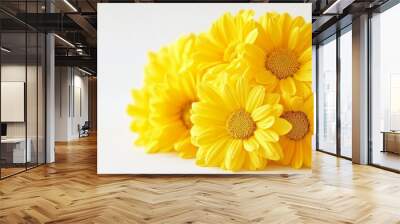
(170, 111)
(218, 47)
(297, 143)
(281, 55)
(161, 109)
(237, 126)
(170, 60)
(139, 111)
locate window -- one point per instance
(22, 77)
(385, 89)
(346, 93)
(327, 96)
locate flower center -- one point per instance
(240, 125)
(185, 115)
(282, 63)
(300, 124)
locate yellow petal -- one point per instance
(266, 78)
(257, 160)
(254, 54)
(275, 32)
(266, 135)
(251, 37)
(242, 90)
(277, 110)
(272, 98)
(216, 153)
(303, 75)
(239, 162)
(269, 151)
(255, 99)
(306, 56)
(266, 122)
(288, 147)
(287, 86)
(293, 38)
(261, 112)
(250, 144)
(282, 126)
(297, 160)
(232, 154)
(185, 148)
(307, 151)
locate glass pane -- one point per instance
(327, 97)
(385, 84)
(32, 95)
(346, 94)
(314, 87)
(41, 98)
(13, 89)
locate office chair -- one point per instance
(84, 130)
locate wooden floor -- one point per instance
(70, 191)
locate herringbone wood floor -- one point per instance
(70, 191)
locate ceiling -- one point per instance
(76, 22)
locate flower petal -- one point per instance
(266, 135)
(303, 75)
(282, 126)
(250, 144)
(266, 122)
(297, 160)
(287, 86)
(261, 112)
(256, 98)
(233, 154)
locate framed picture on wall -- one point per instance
(204, 89)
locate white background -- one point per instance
(126, 32)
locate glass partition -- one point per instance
(22, 90)
(327, 96)
(41, 91)
(31, 100)
(14, 155)
(385, 89)
(346, 93)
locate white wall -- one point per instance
(71, 102)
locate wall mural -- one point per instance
(233, 97)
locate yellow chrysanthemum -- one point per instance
(170, 60)
(297, 143)
(237, 126)
(164, 102)
(139, 111)
(281, 55)
(170, 111)
(219, 46)
(172, 79)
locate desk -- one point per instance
(391, 141)
(17, 150)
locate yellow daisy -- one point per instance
(281, 56)
(139, 111)
(170, 111)
(170, 60)
(164, 101)
(219, 46)
(237, 126)
(297, 143)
